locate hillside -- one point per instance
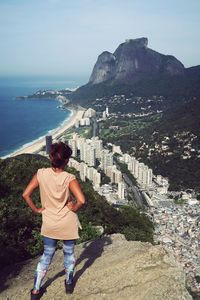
(177, 138)
(109, 268)
(182, 118)
(168, 142)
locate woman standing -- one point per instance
(59, 220)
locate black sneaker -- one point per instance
(36, 296)
(69, 287)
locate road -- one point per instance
(137, 196)
(95, 128)
(134, 191)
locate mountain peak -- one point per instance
(140, 42)
(133, 61)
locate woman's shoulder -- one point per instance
(69, 176)
(42, 171)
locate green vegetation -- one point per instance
(20, 228)
(104, 178)
(129, 132)
(179, 201)
(84, 131)
(197, 278)
(180, 125)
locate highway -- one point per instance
(95, 128)
(136, 194)
(134, 191)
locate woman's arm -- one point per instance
(33, 184)
(78, 194)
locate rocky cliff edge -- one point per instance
(107, 268)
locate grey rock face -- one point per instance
(104, 68)
(109, 268)
(132, 61)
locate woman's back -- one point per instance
(54, 189)
(58, 221)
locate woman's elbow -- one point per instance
(24, 196)
(82, 200)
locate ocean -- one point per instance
(24, 121)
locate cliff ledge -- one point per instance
(107, 268)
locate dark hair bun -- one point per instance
(59, 154)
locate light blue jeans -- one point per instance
(45, 260)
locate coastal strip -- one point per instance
(36, 146)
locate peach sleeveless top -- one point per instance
(58, 222)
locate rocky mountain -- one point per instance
(135, 68)
(133, 61)
(106, 268)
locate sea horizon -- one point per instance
(23, 122)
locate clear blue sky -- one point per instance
(64, 37)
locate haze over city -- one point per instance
(64, 38)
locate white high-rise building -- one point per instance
(87, 153)
(80, 141)
(82, 122)
(90, 113)
(73, 146)
(83, 171)
(116, 149)
(150, 177)
(86, 172)
(82, 151)
(136, 169)
(114, 174)
(121, 190)
(74, 164)
(98, 145)
(110, 173)
(96, 179)
(131, 164)
(85, 122)
(117, 176)
(107, 113)
(106, 159)
(145, 172)
(90, 157)
(104, 115)
(90, 172)
(140, 172)
(75, 136)
(126, 158)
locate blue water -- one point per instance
(23, 121)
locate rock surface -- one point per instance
(133, 61)
(107, 268)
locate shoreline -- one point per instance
(35, 147)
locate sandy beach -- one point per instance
(37, 145)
